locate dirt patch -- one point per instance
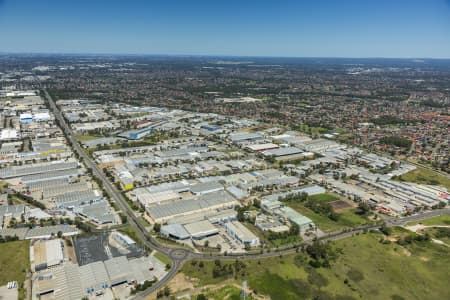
(340, 205)
(406, 252)
(181, 283)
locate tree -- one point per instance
(294, 230)
(157, 227)
(202, 297)
(363, 208)
(166, 291)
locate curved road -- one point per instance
(179, 255)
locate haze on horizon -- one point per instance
(325, 28)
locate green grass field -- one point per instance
(227, 292)
(164, 259)
(130, 232)
(439, 220)
(327, 197)
(347, 218)
(425, 176)
(366, 269)
(14, 263)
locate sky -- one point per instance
(319, 28)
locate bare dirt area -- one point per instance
(339, 205)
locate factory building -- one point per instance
(45, 254)
(204, 203)
(201, 229)
(245, 137)
(73, 282)
(242, 233)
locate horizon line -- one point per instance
(214, 55)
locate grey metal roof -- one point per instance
(99, 212)
(36, 169)
(176, 230)
(283, 151)
(14, 210)
(205, 187)
(50, 176)
(190, 205)
(117, 269)
(76, 198)
(243, 136)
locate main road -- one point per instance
(178, 256)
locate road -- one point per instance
(179, 255)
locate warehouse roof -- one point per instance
(295, 217)
(77, 198)
(282, 151)
(117, 269)
(36, 169)
(175, 230)
(206, 187)
(14, 210)
(201, 229)
(241, 231)
(243, 136)
(190, 205)
(99, 212)
(50, 176)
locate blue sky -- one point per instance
(319, 28)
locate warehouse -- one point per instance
(36, 233)
(206, 188)
(12, 172)
(212, 201)
(137, 134)
(41, 116)
(303, 222)
(51, 231)
(73, 282)
(99, 212)
(26, 118)
(309, 190)
(145, 197)
(13, 211)
(262, 147)
(201, 229)
(122, 239)
(286, 151)
(242, 233)
(245, 137)
(64, 174)
(118, 270)
(73, 199)
(176, 231)
(8, 134)
(45, 254)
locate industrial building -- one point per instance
(281, 152)
(18, 171)
(242, 233)
(201, 229)
(36, 233)
(73, 282)
(208, 202)
(293, 216)
(45, 254)
(142, 132)
(245, 137)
